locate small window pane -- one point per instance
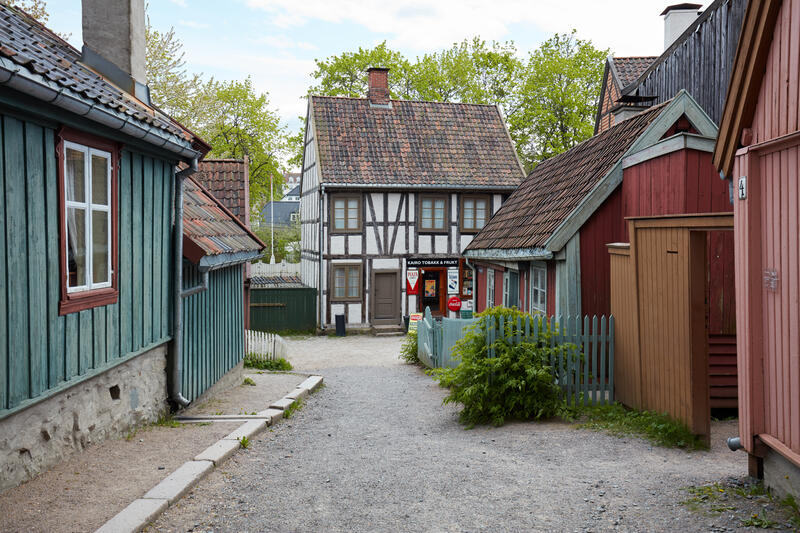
(352, 284)
(352, 204)
(338, 214)
(480, 214)
(76, 247)
(339, 282)
(99, 180)
(100, 245)
(76, 178)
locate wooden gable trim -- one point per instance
(682, 105)
(599, 114)
(676, 143)
(747, 73)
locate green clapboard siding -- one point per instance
(40, 351)
(213, 328)
(290, 309)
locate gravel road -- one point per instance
(376, 451)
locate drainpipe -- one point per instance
(321, 230)
(734, 443)
(176, 370)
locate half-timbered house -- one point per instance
(392, 192)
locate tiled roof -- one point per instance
(275, 282)
(212, 229)
(630, 68)
(557, 185)
(413, 143)
(33, 47)
(228, 181)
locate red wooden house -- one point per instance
(545, 249)
(759, 149)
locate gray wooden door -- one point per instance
(387, 298)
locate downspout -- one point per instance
(176, 369)
(319, 273)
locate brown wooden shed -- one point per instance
(658, 299)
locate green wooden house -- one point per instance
(90, 266)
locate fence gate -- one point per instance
(285, 309)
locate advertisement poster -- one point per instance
(413, 320)
(452, 281)
(430, 288)
(412, 282)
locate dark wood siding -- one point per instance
(701, 64)
(40, 351)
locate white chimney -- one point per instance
(677, 18)
(114, 43)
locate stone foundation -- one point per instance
(106, 406)
(781, 476)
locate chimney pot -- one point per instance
(114, 43)
(379, 87)
(678, 17)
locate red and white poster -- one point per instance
(412, 282)
(454, 303)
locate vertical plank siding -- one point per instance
(702, 63)
(213, 328)
(40, 351)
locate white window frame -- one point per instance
(489, 287)
(506, 287)
(538, 287)
(88, 207)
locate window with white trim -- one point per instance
(87, 217)
(489, 287)
(538, 288)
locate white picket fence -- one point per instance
(267, 270)
(263, 346)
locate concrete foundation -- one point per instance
(106, 406)
(781, 476)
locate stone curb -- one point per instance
(136, 516)
(298, 394)
(180, 481)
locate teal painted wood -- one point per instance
(3, 276)
(213, 329)
(16, 238)
(586, 355)
(40, 351)
(37, 254)
(147, 249)
(603, 376)
(452, 330)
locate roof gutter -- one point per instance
(176, 364)
(509, 254)
(402, 186)
(38, 87)
(214, 262)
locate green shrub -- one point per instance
(408, 352)
(252, 361)
(518, 383)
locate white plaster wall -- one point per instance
(378, 264)
(354, 313)
(337, 244)
(425, 244)
(336, 309)
(39, 437)
(465, 240)
(372, 245)
(355, 243)
(440, 244)
(394, 203)
(377, 204)
(400, 241)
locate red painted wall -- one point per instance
(498, 286)
(551, 288)
(480, 288)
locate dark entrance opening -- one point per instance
(431, 290)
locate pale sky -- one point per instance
(276, 41)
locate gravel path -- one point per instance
(376, 451)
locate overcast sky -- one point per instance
(276, 41)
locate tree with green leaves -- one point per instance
(557, 98)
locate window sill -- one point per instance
(346, 300)
(422, 231)
(82, 301)
(345, 231)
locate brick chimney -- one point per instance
(379, 87)
(114, 43)
(677, 18)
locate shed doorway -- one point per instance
(659, 287)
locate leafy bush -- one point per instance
(252, 361)
(408, 351)
(517, 383)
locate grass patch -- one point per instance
(249, 381)
(748, 500)
(658, 428)
(408, 351)
(279, 364)
(165, 420)
(760, 520)
(296, 406)
(244, 442)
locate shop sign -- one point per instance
(413, 321)
(420, 262)
(454, 303)
(412, 282)
(452, 281)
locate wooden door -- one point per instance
(387, 298)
